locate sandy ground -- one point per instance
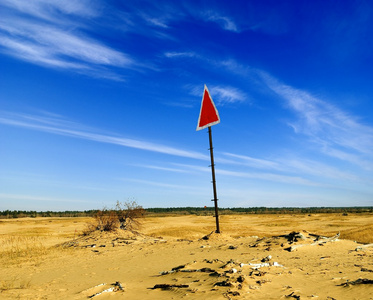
(255, 257)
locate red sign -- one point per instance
(208, 115)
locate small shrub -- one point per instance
(106, 220)
(125, 216)
(129, 214)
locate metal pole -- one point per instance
(214, 182)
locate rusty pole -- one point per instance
(214, 183)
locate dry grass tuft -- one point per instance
(362, 234)
(14, 283)
(20, 248)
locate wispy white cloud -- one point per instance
(183, 104)
(234, 67)
(180, 54)
(255, 162)
(224, 22)
(48, 38)
(153, 167)
(269, 177)
(158, 184)
(315, 168)
(298, 180)
(49, 9)
(7, 197)
(221, 94)
(151, 19)
(67, 128)
(264, 176)
(337, 133)
(226, 94)
(36, 42)
(294, 165)
(162, 14)
(157, 22)
(35, 54)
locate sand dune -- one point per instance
(181, 258)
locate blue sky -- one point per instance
(99, 102)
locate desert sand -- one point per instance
(180, 257)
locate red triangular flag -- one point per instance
(208, 115)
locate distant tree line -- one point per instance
(261, 210)
(201, 211)
(8, 214)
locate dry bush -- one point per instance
(106, 220)
(129, 214)
(125, 216)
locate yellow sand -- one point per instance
(248, 260)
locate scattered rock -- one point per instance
(268, 258)
(179, 267)
(363, 247)
(115, 287)
(292, 295)
(233, 293)
(294, 236)
(165, 286)
(224, 283)
(232, 271)
(312, 240)
(119, 285)
(366, 270)
(358, 281)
